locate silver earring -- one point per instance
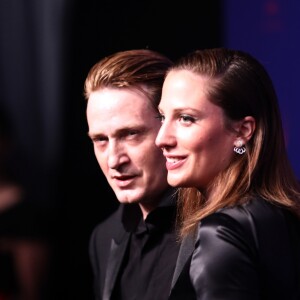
(239, 147)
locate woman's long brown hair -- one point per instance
(240, 85)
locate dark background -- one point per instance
(46, 50)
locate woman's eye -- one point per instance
(187, 119)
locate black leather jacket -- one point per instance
(247, 252)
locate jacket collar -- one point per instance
(130, 216)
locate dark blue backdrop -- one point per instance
(270, 30)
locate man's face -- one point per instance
(123, 126)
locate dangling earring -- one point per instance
(239, 147)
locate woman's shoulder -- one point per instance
(255, 209)
(256, 219)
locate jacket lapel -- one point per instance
(129, 218)
(185, 252)
(117, 252)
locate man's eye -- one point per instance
(160, 117)
(131, 133)
(98, 140)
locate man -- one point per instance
(133, 252)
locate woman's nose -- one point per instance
(165, 137)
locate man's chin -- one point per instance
(128, 197)
(128, 200)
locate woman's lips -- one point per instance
(174, 163)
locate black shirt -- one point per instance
(149, 263)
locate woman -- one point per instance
(223, 140)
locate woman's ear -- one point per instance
(246, 128)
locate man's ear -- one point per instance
(246, 128)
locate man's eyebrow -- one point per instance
(120, 132)
(125, 130)
(94, 135)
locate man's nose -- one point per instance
(116, 156)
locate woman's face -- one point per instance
(193, 136)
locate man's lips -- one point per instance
(123, 180)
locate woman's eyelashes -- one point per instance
(187, 119)
(182, 118)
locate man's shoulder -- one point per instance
(109, 221)
(104, 232)
(125, 217)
